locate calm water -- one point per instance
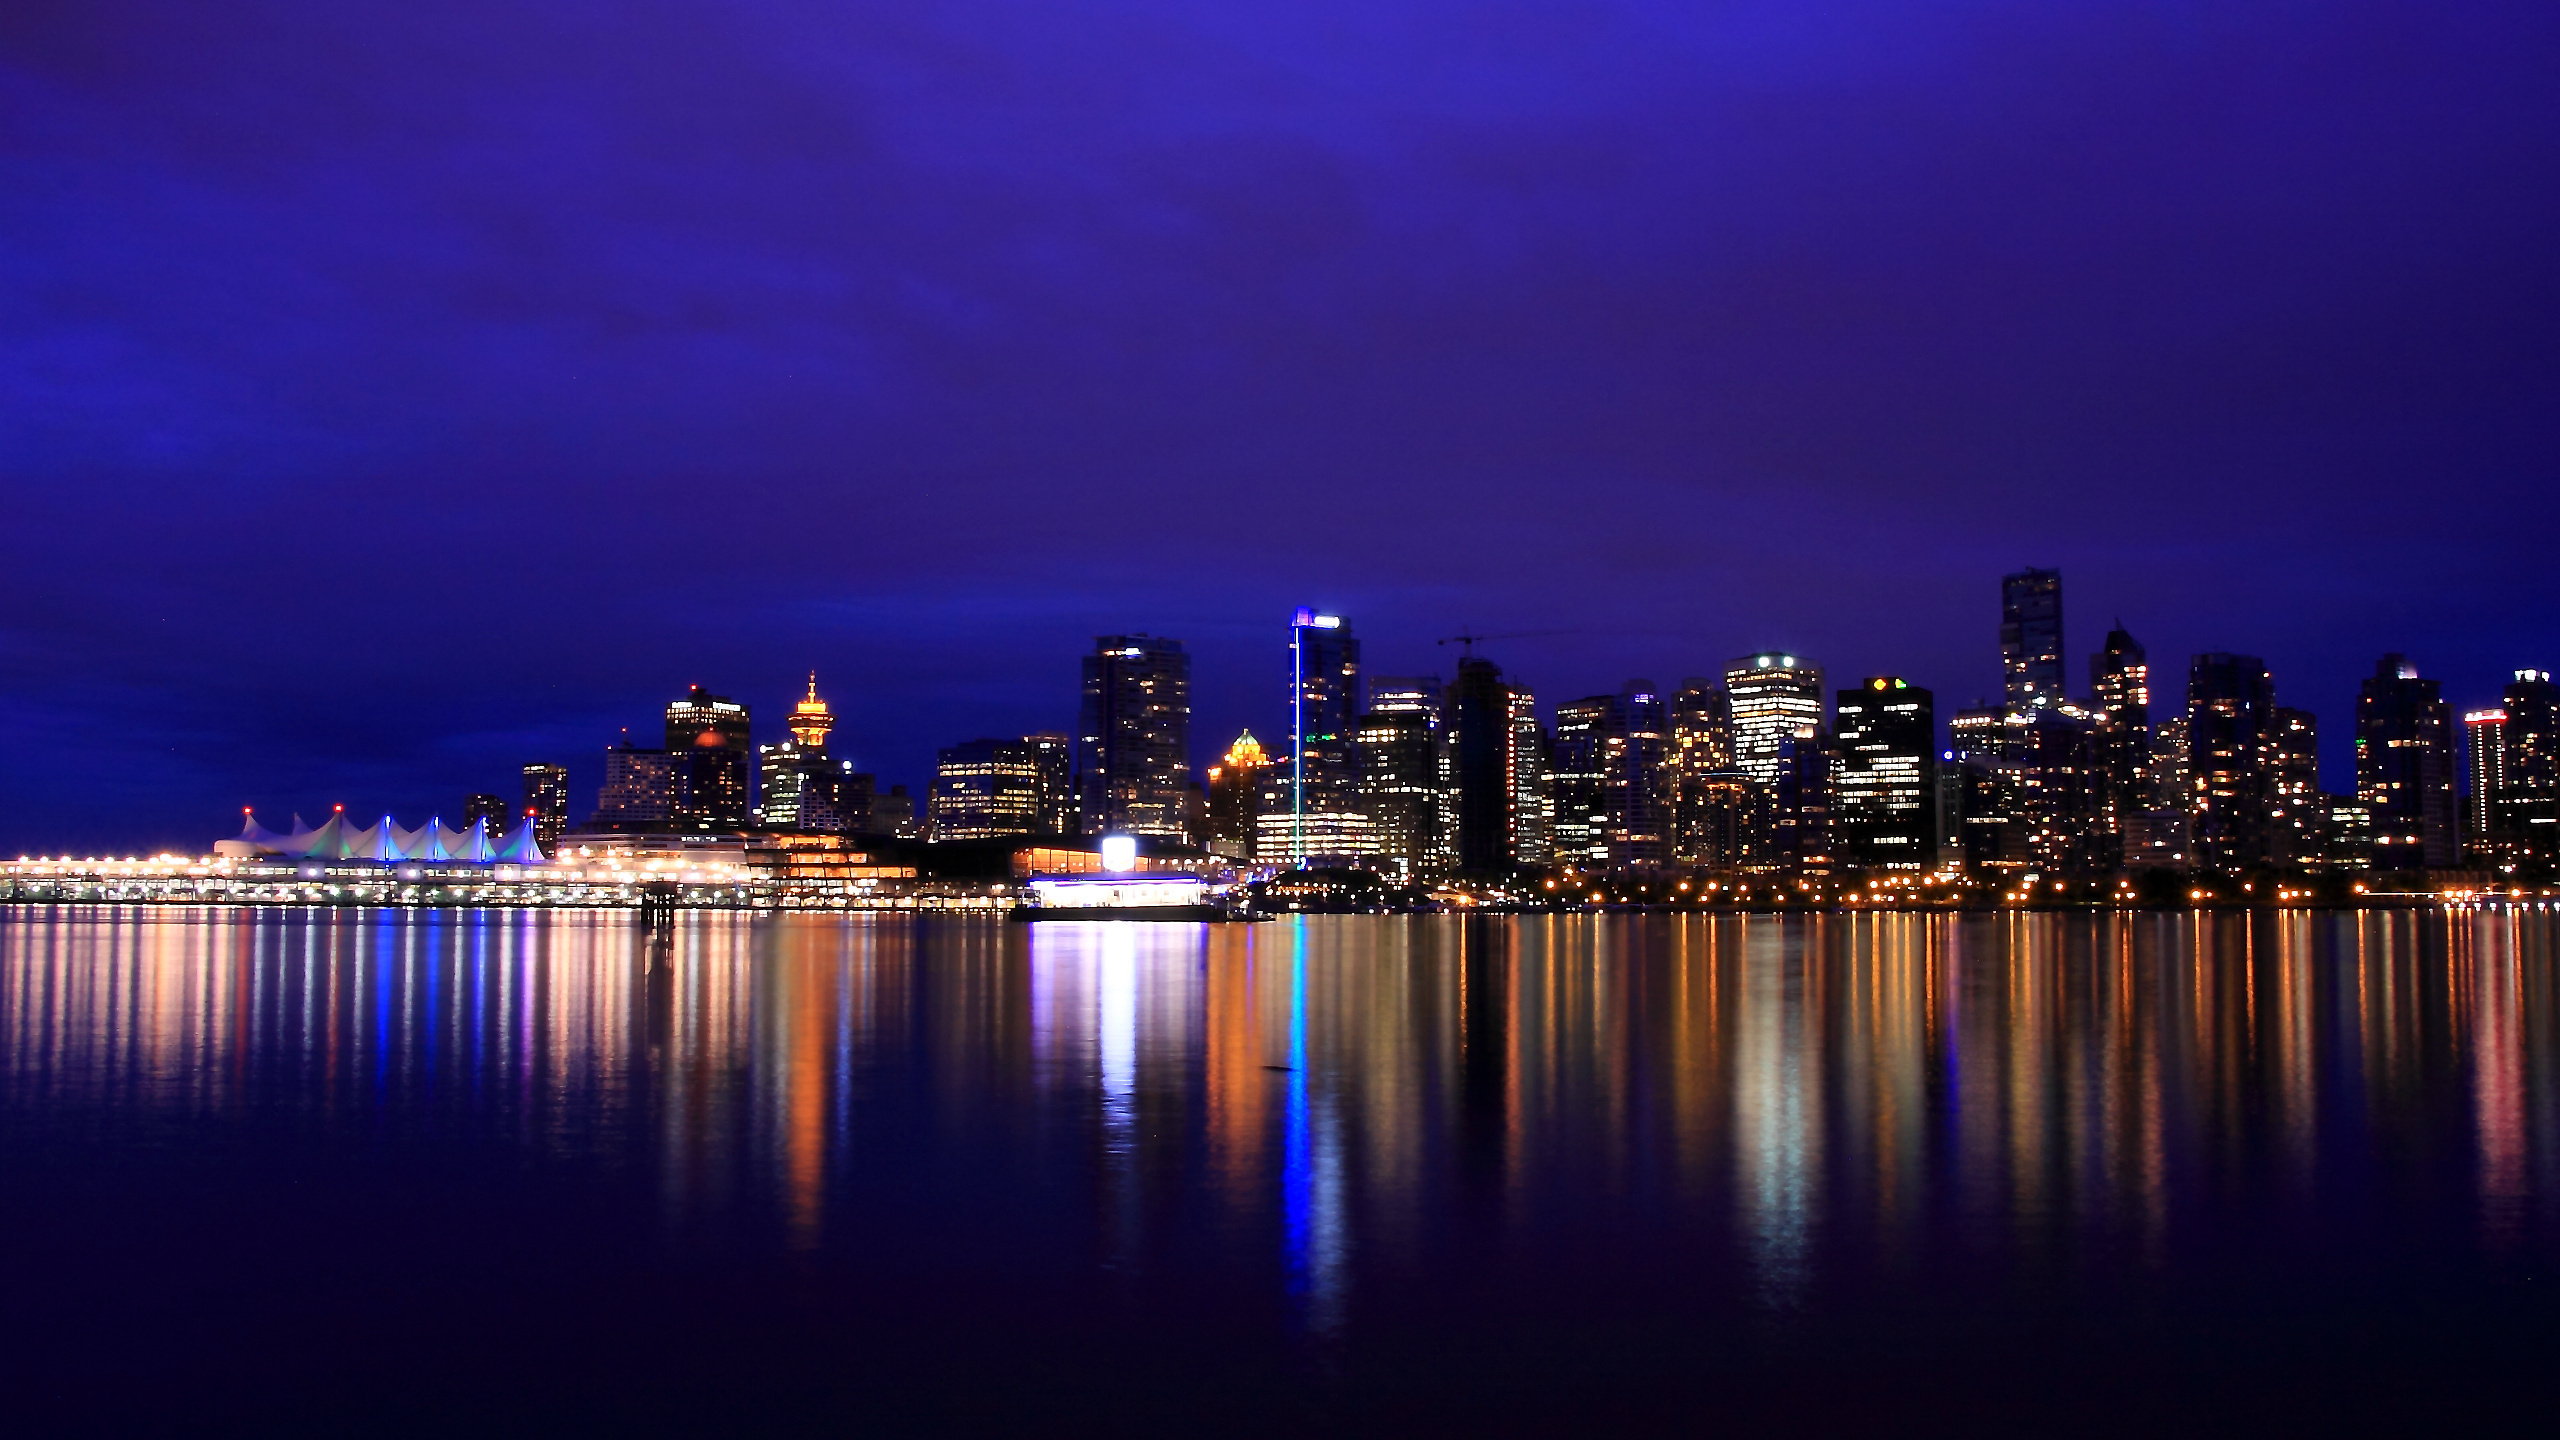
(1340, 1175)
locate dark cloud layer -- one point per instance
(392, 394)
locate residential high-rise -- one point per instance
(1772, 697)
(2404, 768)
(1711, 818)
(1991, 830)
(1319, 819)
(2484, 749)
(708, 737)
(1529, 759)
(639, 788)
(1133, 740)
(546, 799)
(1054, 753)
(1235, 788)
(2297, 813)
(2050, 756)
(2231, 702)
(2528, 805)
(1884, 803)
(2031, 637)
(1611, 781)
(983, 789)
(490, 810)
(2120, 702)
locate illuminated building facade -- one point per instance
(1404, 781)
(1579, 830)
(1323, 822)
(2404, 768)
(2297, 813)
(2484, 748)
(1992, 834)
(1711, 819)
(1528, 762)
(2231, 703)
(2527, 812)
(1772, 697)
(1235, 789)
(1133, 738)
(707, 736)
(639, 788)
(803, 788)
(2120, 705)
(1612, 785)
(1800, 805)
(491, 811)
(546, 799)
(2031, 638)
(1884, 810)
(983, 789)
(2051, 768)
(1054, 753)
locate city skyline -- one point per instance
(1740, 329)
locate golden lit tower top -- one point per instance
(810, 720)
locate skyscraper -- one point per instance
(1321, 820)
(2404, 768)
(2231, 701)
(1801, 804)
(2484, 748)
(2297, 813)
(1884, 805)
(707, 736)
(2120, 703)
(1611, 780)
(1493, 739)
(983, 789)
(1133, 740)
(1579, 825)
(490, 810)
(2528, 804)
(1772, 697)
(2031, 637)
(1405, 772)
(1054, 753)
(1528, 760)
(801, 784)
(1711, 808)
(546, 799)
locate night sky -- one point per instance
(392, 394)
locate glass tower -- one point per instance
(2031, 637)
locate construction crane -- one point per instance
(1471, 641)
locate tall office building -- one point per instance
(2051, 755)
(983, 789)
(1884, 804)
(2528, 803)
(1530, 758)
(1319, 820)
(1800, 807)
(1497, 788)
(1405, 774)
(639, 789)
(707, 735)
(1133, 739)
(2297, 813)
(1054, 752)
(1711, 818)
(2231, 702)
(2031, 637)
(2484, 751)
(2120, 704)
(1576, 781)
(2404, 768)
(546, 799)
(800, 784)
(1990, 830)
(1772, 697)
